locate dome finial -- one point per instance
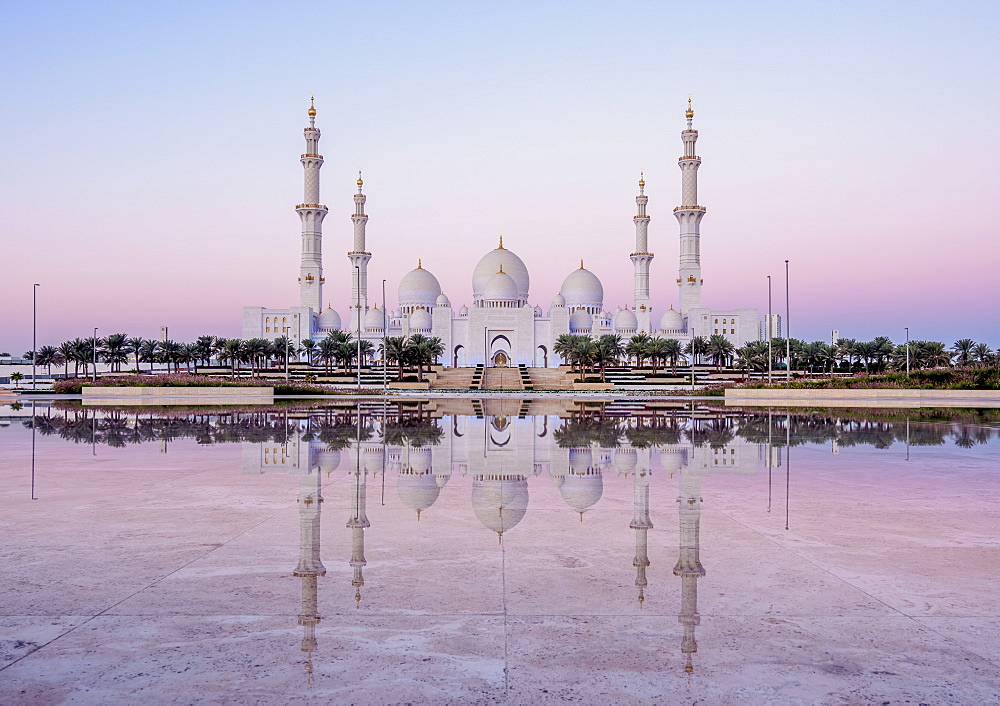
(581, 263)
(500, 271)
(642, 179)
(501, 247)
(690, 111)
(312, 105)
(360, 181)
(420, 264)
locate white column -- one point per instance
(641, 259)
(311, 212)
(689, 215)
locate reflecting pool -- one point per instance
(499, 551)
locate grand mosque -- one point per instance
(501, 327)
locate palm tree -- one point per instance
(607, 350)
(672, 351)
(637, 347)
(934, 354)
(719, 349)
(656, 349)
(963, 351)
(16, 379)
(982, 354)
(697, 347)
(394, 351)
(46, 356)
(308, 346)
(881, 352)
(148, 353)
(367, 350)
(584, 353)
(169, 352)
(134, 345)
(326, 351)
(564, 346)
(346, 352)
(67, 350)
(231, 351)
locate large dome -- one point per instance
(491, 263)
(582, 492)
(671, 320)
(582, 288)
(501, 287)
(374, 319)
(419, 286)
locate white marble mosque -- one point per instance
(501, 327)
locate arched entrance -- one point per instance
(541, 357)
(500, 360)
(458, 360)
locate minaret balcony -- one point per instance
(317, 206)
(690, 208)
(313, 156)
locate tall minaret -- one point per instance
(359, 261)
(312, 213)
(689, 215)
(357, 523)
(641, 259)
(310, 565)
(641, 524)
(688, 566)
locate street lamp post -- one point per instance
(769, 354)
(34, 337)
(788, 332)
(385, 329)
(907, 352)
(95, 354)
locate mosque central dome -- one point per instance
(491, 263)
(582, 288)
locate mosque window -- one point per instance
(732, 330)
(716, 321)
(284, 319)
(716, 330)
(267, 329)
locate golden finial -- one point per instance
(500, 271)
(357, 599)
(420, 264)
(581, 263)
(641, 599)
(690, 111)
(312, 105)
(501, 242)
(360, 182)
(418, 514)
(642, 179)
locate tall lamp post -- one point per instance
(788, 332)
(34, 337)
(95, 354)
(385, 330)
(769, 354)
(907, 353)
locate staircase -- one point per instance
(507, 379)
(549, 379)
(454, 379)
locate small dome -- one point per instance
(626, 460)
(491, 263)
(625, 320)
(538, 310)
(559, 300)
(419, 459)
(329, 320)
(374, 319)
(418, 492)
(419, 286)
(501, 287)
(500, 504)
(671, 320)
(464, 311)
(420, 320)
(327, 460)
(372, 460)
(580, 321)
(582, 288)
(671, 460)
(442, 300)
(582, 492)
(580, 461)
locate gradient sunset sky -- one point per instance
(150, 155)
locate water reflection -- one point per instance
(501, 445)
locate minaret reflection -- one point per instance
(640, 522)
(310, 565)
(357, 523)
(688, 565)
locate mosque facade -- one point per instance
(501, 327)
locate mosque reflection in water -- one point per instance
(501, 444)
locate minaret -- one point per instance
(312, 213)
(310, 565)
(359, 261)
(689, 215)
(357, 523)
(641, 524)
(641, 259)
(688, 565)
